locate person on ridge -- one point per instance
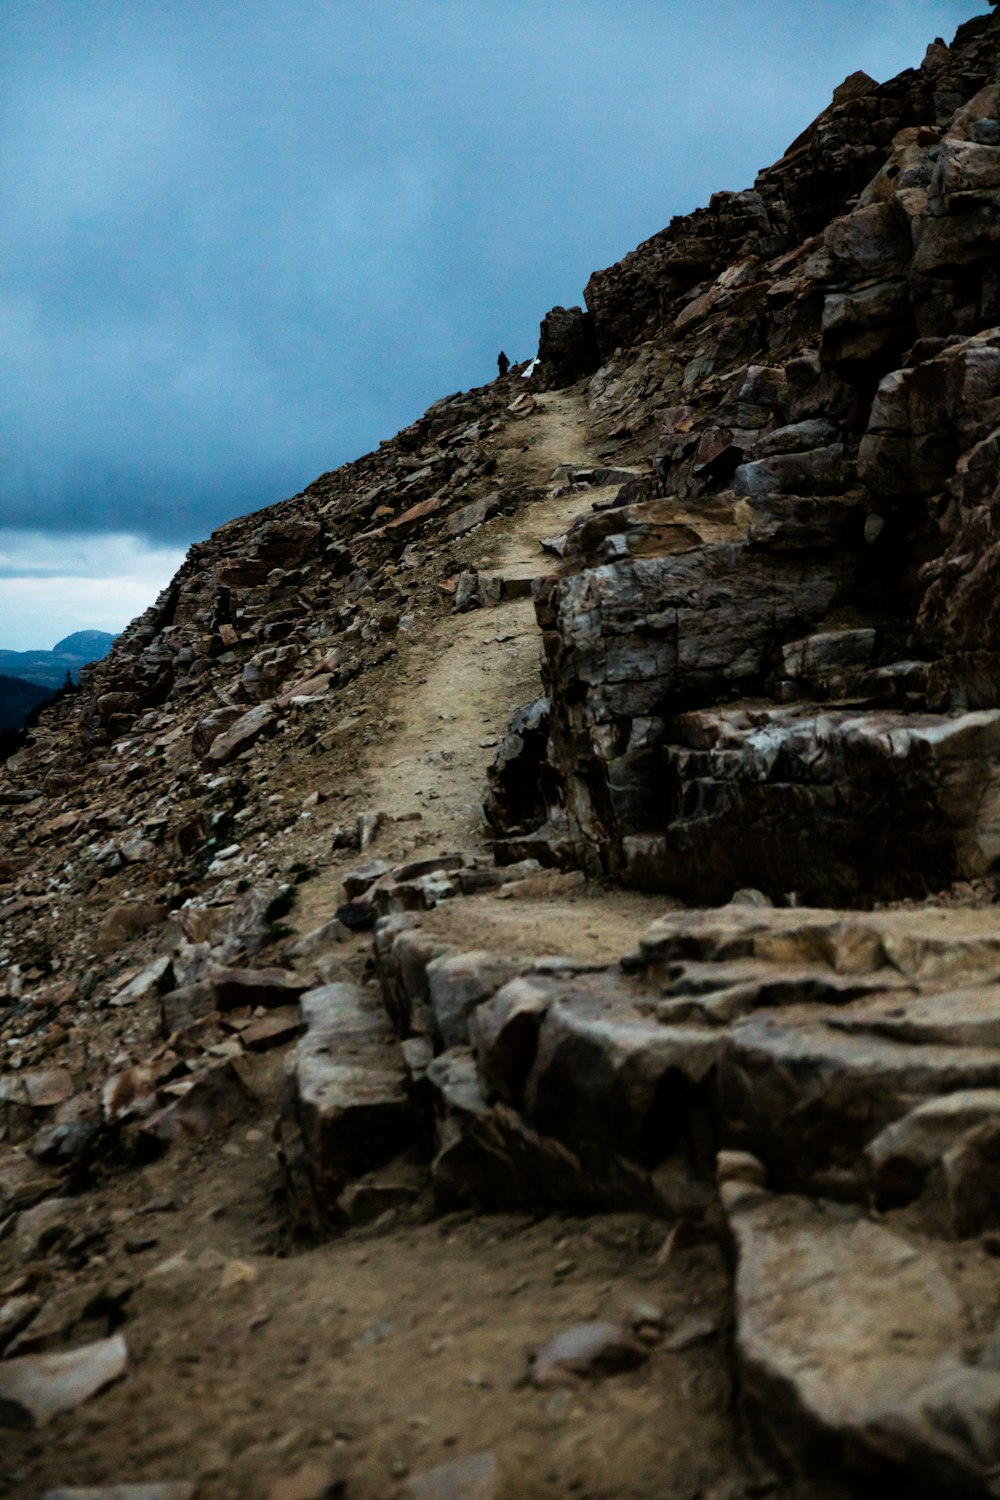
(503, 364)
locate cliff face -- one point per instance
(778, 666)
(266, 975)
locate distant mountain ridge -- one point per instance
(47, 669)
(17, 699)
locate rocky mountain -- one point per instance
(640, 1139)
(48, 669)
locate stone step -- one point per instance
(346, 1107)
(854, 1354)
(807, 1097)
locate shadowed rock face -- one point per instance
(752, 677)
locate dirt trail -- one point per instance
(461, 683)
(455, 692)
(555, 433)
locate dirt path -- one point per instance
(461, 683)
(555, 433)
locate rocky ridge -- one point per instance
(744, 509)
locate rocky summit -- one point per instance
(501, 965)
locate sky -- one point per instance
(243, 241)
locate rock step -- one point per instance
(346, 1107)
(802, 1036)
(853, 1352)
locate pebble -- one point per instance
(586, 1351)
(695, 1331)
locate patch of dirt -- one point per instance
(389, 1351)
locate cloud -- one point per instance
(53, 585)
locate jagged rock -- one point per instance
(217, 1097)
(605, 1075)
(489, 1154)
(457, 984)
(902, 1157)
(242, 733)
(207, 729)
(345, 1108)
(567, 348)
(235, 987)
(125, 921)
(807, 1099)
(821, 802)
(474, 514)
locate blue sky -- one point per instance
(244, 242)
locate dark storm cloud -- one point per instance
(245, 242)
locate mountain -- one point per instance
(17, 699)
(535, 890)
(49, 668)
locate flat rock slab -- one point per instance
(849, 1345)
(346, 1107)
(932, 945)
(807, 1098)
(952, 1018)
(37, 1387)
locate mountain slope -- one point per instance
(334, 1101)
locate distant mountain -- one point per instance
(47, 669)
(17, 699)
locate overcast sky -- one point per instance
(243, 242)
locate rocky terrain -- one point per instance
(501, 963)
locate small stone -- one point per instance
(476, 1477)
(587, 1351)
(646, 1312)
(36, 1387)
(695, 1331)
(136, 1243)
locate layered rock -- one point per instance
(820, 544)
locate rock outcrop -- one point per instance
(754, 676)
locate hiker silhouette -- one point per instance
(503, 364)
